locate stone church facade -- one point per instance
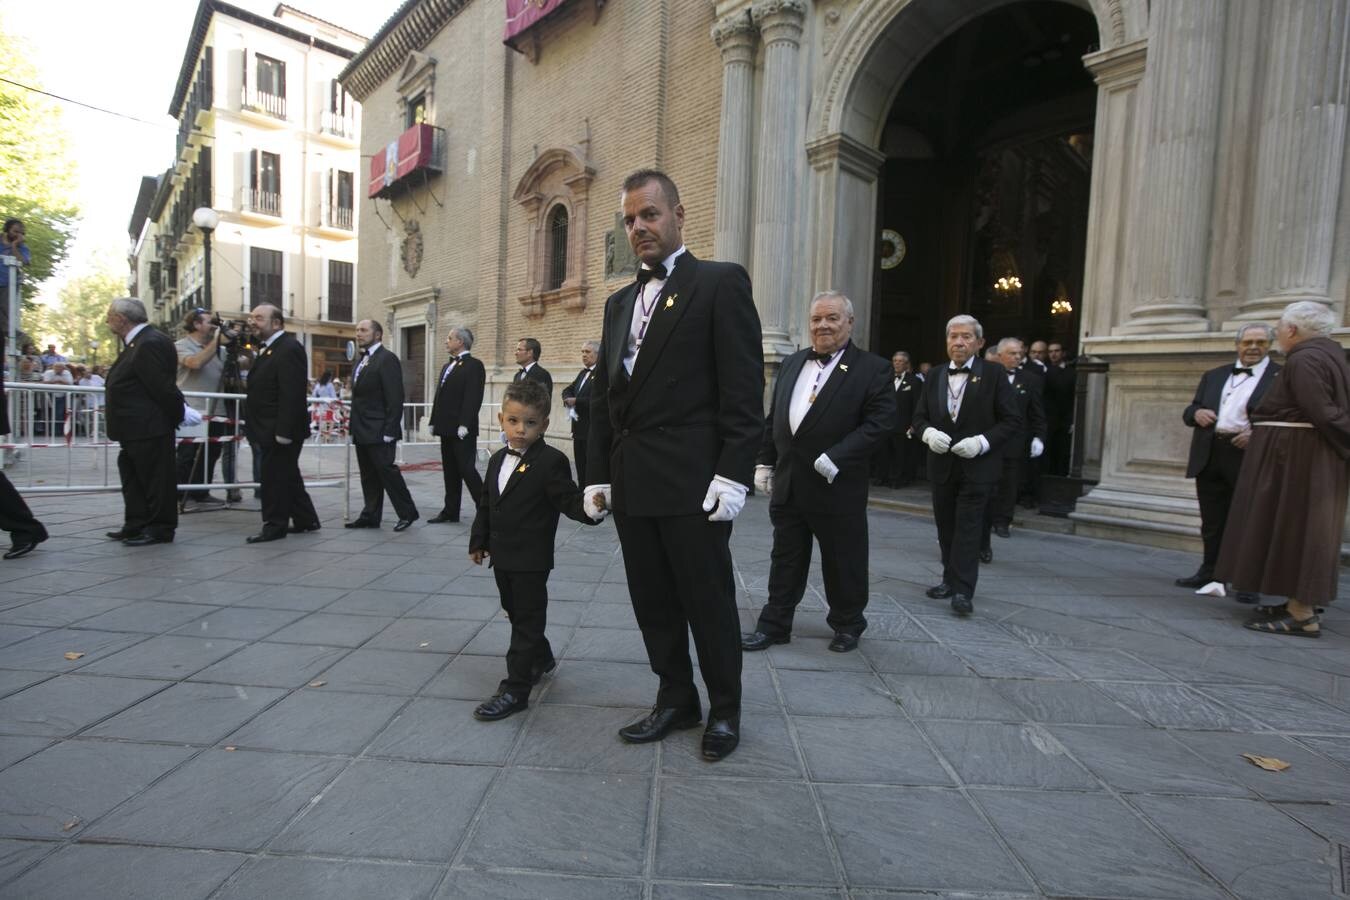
(1219, 185)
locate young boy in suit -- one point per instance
(528, 484)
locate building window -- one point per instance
(339, 201)
(416, 110)
(340, 278)
(557, 247)
(340, 117)
(264, 182)
(264, 277)
(271, 76)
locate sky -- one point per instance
(125, 57)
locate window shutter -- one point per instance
(326, 214)
(281, 79)
(244, 65)
(253, 170)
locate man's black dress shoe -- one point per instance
(961, 605)
(538, 672)
(442, 517)
(404, 524)
(940, 591)
(1249, 597)
(264, 536)
(1198, 580)
(144, 540)
(758, 640)
(843, 642)
(499, 707)
(1002, 531)
(361, 523)
(304, 529)
(719, 739)
(122, 534)
(21, 548)
(986, 554)
(661, 721)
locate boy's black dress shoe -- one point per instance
(844, 642)
(144, 540)
(405, 524)
(940, 591)
(500, 706)
(961, 605)
(661, 721)
(719, 739)
(122, 534)
(758, 640)
(21, 548)
(264, 536)
(1199, 579)
(442, 517)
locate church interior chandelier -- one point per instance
(1008, 284)
(1060, 307)
(1009, 281)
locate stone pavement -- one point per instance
(291, 720)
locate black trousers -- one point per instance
(525, 602)
(1058, 452)
(1214, 488)
(902, 454)
(680, 581)
(284, 498)
(958, 510)
(1003, 500)
(149, 486)
(579, 458)
(197, 462)
(843, 564)
(459, 469)
(379, 475)
(16, 517)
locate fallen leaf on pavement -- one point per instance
(317, 683)
(425, 644)
(71, 824)
(230, 749)
(74, 654)
(1269, 763)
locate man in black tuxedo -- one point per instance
(25, 531)
(832, 404)
(966, 415)
(1219, 417)
(376, 425)
(1061, 388)
(144, 406)
(901, 449)
(1027, 444)
(527, 357)
(676, 419)
(454, 419)
(576, 397)
(276, 421)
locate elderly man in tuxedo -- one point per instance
(1027, 444)
(454, 419)
(376, 426)
(576, 398)
(966, 415)
(832, 404)
(676, 419)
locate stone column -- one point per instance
(1302, 116)
(780, 26)
(1185, 61)
(735, 37)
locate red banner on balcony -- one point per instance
(412, 150)
(522, 15)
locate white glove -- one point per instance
(461, 432)
(595, 501)
(191, 416)
(727, 495)
(968, 448)
(937, 441)
(388, 439)
(764, 480)
(1037, 447)
(283, 441)
(826, 467)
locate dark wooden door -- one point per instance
(414, 372)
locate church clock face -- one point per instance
(893, 248)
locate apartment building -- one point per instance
(269, 140)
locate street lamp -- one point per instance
(206, 219)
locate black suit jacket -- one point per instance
(1209, 395)
(537, 373)
(458, 398)
(1029, 393)
(517, 527)
(276, 404)
(694, 404)
(377, 399)
(988, 408)
(1061, 385)
(581, 425)
(854, 410)
(906, 398)
(143, 400)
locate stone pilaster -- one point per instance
(1182, 82)
(1300, 151)
(780, 26)
(735, 37)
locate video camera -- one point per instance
(230, 329)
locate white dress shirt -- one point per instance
(956, 387)
(454, 361)
(369, 352)
(1237, 393)
(810, 382)
(510, 463)
(648, 292)
(131, 335)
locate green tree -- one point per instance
(77, 319)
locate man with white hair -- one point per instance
(454, 419)
(1294, 481)
(1028, 444)
(576, 397)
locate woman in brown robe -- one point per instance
(1283, 536)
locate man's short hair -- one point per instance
(130, 309)
(530, 394)
(1008, 342)
(533, 346)
(642, 177)
(1270, 332)
(1309, 317)
(376, 327)
(901, 353)
(593, 346)
(965, 320)
(464, 335)
(190, 319)
(10, 223)
(833, 295)
(277, 315)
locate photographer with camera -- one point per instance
(204, 355)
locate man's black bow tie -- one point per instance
(657, 271)
(961, 371)
(816, 356)
(1239, 370)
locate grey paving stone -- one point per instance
(212, 591)
(765, 751)
(943, 697)
(306, 598)
(1281, 708)
(697, 891)
(881, 847)
(579, 822)
(600, 614)
(383, 671)
(15, 856)
(468, 677)
(881, 750)
(892, 626)
(464, 883)
(584, 738)
(147, 616)
(1007, 755)
(441, 636)
(1334, 747)
(912, 658)
(1106, 665)
(495, 638)
(1009, 661)
(164, 656)
(1069, 702)
(1251, 847)
(13, 749)
(614, 644)
(942, 625)
(126, 873)
(10, 634)
(331, 630)
(239, 623)
(433, 730)
(1326, 819)
(368, 811)
(315, 879)
(58, 582)
(745, 831)
(369, 602)
(273, 665)
(810, 653)
(582, 682)
(56, 612)
(836, 693)
(46, 652)
(57, 792)
(319, 721)
(221, 800)
(1143, 759)
(1113, 854)
(188, 713)
(1310, 777)
(70, 703)
(15, 680)
(1177, 706)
